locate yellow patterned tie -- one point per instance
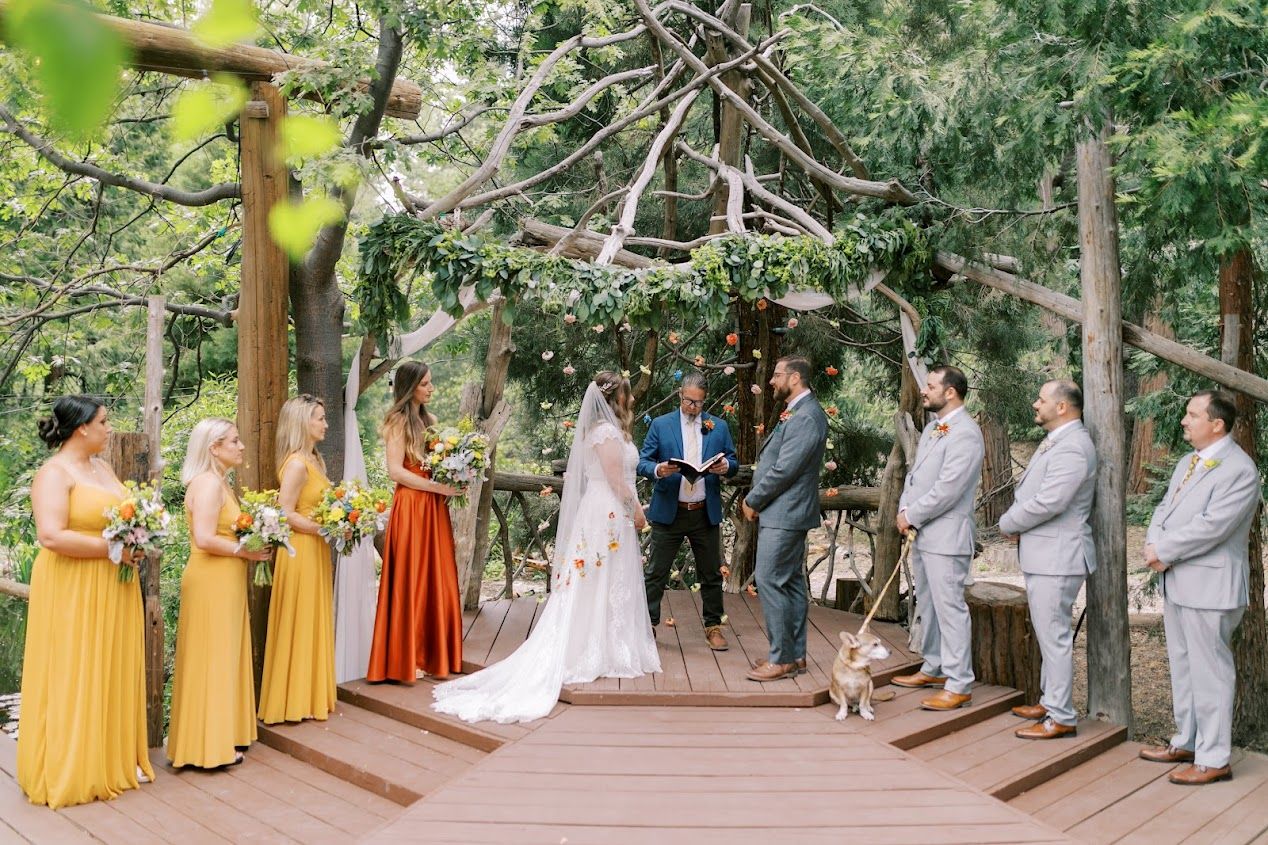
(1193, 465)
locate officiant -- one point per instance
(686, 505)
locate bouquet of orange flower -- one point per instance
(262, 525)
(349, 512)
(458, 456)
(138, 523)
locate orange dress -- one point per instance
(418, 624)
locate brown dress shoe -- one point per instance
(772, 672)
(944, 700)
(713, 636)
(920, 679)
(1166, 754)
(1200, 775)
(1030, 711)
(801, 663)
(1047, 729)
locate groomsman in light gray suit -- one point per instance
(937, 501)
(785, 501)
(1198, 540)
(1050, 521)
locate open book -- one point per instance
(692, 472)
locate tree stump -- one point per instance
(1005, 651)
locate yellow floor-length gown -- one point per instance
(299, 654)
(81, 731)
(213, 691)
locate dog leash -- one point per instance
(910, 537)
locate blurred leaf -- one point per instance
(294, 226)
(77, 59)
(308, 136)
(227, 22)
(204, 107)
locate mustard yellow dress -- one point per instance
(81, 732)
(299, 654)
(213, 691)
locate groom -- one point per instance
(785, 500)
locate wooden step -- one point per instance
(903, 724)
(987, 755)
(395, 760)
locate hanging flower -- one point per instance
(625, 327)
(547, 355)
(792, 322)
(755, 389)
(757, 353)
(732, 339)
(570, 318)
(548, 450)
(831, 370)
(830, 466)
(598, 328)
(677, 375)
(644, 369)
(546, 492)
(625, 373)
(760, 428)
(647, 418)
(699, 360)
(832, 410)
(728, 370)
(762, 304)
(546, 406)
(569, 424)
(568, 369)
(728, 409)
(672, 337)
(832, 491)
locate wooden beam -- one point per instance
(1108, 636)
(163, 48)
(262, 328)
(9, 587)
(1137, 336)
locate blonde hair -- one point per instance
(292, 429)
(620, 397)
(204, 437)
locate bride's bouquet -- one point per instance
(349, 512)
(262, 525)
(138, 523)
(458, 456)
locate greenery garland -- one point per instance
(747, 266)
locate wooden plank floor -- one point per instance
(632, 774)
(692, 673)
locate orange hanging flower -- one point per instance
(732, 339)
(832, 410)
(762, 305)
(832, 371)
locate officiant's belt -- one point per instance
(691, 506)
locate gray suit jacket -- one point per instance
(941, 486)
(1052, 507)
(1202, 532)
(786, 481)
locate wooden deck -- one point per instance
(739, 766)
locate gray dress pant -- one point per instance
(1202, 679)
(1051, 599)
(782, 589)
(945, 629)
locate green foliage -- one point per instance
(227, 22)
(295, 225)
(202, 108)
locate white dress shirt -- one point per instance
(692, 443)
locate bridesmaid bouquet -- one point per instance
(349, 512)
(458, 456)
(262, 525)
(138, 523)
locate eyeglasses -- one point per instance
(695, 403)
(778, 373)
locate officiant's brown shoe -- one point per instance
(1030, 711)
(1166, 754)
(801, 663)
(772, 672)
(1047, 729)
(920, 679)
(1200, 775)
(944, 700)
(713, 636)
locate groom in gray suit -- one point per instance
(1049, 520)
(937, 501)
(1197, 540)
(785, 500)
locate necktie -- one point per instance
(1193, 465)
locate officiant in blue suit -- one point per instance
(682, 509)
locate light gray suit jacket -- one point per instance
(786, 480)
(1202, 532)
(1052, 507)
(941, 486)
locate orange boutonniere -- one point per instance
(707, 425)
(785, 416)
(941, 430)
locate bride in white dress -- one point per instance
(595, 624)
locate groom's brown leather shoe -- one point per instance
(1166, 754)
(713, 636)
(1200, 775)
(772, 672)
(920, 679)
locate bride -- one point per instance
(595, 624)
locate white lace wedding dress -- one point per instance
(595, 623)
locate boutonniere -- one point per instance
(706, 426)
(1211, 463)
(940, 430)
(785, 416)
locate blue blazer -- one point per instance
(664, 441)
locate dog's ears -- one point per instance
(849, 639)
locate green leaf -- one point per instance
(308, 136)
(77, 59)
(202, 108)
(294, 226)
(227, 22)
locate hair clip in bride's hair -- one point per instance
(606, 389)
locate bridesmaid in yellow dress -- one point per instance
(213, 690)
(299, 654)
(81, 732)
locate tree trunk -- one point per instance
(731, 122)
(1146, 453)
(997, 469)
(317, 307)
(1109, 643)
(1250, 642)
(888, 541)
(1005, 650)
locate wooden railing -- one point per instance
(17, 589)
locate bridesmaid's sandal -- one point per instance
(237, 760)
(141, 776)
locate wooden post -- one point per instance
(262, 305)
(1109, 643)
(152, 422)
(888, 542)
(1005, 650)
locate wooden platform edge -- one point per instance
(956, 721)
(468, 735)
(278, 738)
(1054, 768)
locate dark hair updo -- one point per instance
(69, 413)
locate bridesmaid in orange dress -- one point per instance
(418, 625)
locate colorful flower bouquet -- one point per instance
(349, 512)
(458, 457)
(138, 523)
(262, 525)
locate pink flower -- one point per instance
(755, 389)
(568, 369)
(792, 322)
(730, 371)
(547, 355)
(830, 466)
(570, 318)
(598, 329)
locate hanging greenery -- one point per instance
(747, 266)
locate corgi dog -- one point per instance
(852, 673)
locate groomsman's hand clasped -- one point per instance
(749, 513)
